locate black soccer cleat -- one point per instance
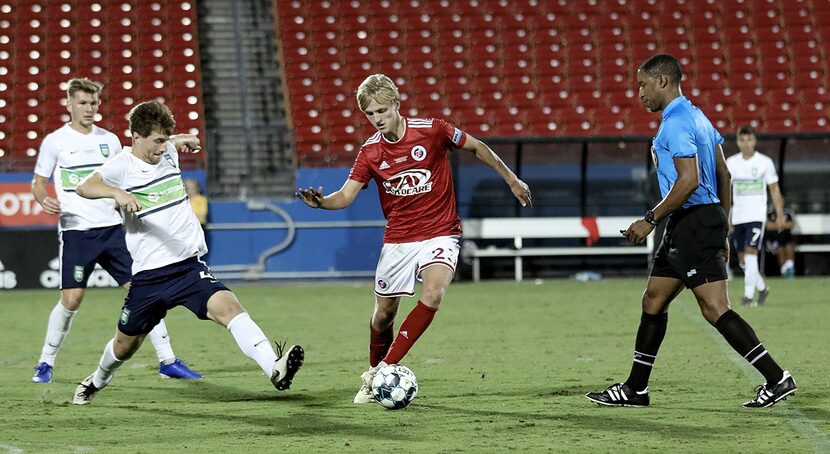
(762, 296)
(620, 395)
(769, 395)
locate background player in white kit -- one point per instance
(752, 173)
(409, 161)
(91, 231)
(166, 241)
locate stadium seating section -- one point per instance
(140, 50)
(515, 68)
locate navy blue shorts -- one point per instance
(693, 245)
(80, 250)
(152, 293)
(747, 235)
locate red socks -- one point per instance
(379, 342)
(411, 329)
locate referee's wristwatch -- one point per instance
(649, 217)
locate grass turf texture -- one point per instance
(503, 367)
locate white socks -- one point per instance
(252, 342)
(161, 341)
(60, 320)
(752, 277)
(106, 367)
(788, 265)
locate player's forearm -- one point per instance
(334, 201)
(39, 191)
(678, 195)
(96, 189)
(778, 203)
(486, 155)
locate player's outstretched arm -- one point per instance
(334, 201)
(93, 187)
(50, 205)
(486, 155)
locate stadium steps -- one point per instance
(252, 153)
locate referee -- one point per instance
(695, 186)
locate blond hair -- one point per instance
(377, 87)
(83, 84)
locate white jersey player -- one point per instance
(166, 242)
(90, 231)
(752, 173)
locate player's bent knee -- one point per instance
(223, 306)
(125, 346)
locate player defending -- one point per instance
(166, 241)
(752, 173)
(694, 182)
(91, 231)
(409, 160)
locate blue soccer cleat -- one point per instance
(43, 374)
(178, 369)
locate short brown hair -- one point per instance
(83, 84)
(746, 130)
(151, 116)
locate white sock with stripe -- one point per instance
(752, 275)
(253, 342)
(60, 320)
(161, 342)
(107, 366)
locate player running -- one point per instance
(409, 160)
(752, 173)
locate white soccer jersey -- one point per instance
(750, 178)
(165, 231)
(68, 156)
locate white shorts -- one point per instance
(401, 263)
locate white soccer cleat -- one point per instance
(286, 366)
(85, 392)
(364, 395)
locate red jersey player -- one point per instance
(409, 160)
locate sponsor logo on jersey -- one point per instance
(409, 182)
(401, 159)
(418, 153)
(384, 165)
(71, 177)
(105, 150)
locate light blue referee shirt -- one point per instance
(685, 132)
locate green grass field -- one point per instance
(503, 367)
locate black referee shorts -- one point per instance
(692, 247)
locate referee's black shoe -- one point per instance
(620, 395)
(769, 395)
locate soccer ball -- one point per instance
(394, 386)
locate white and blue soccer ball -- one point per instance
(394, 386)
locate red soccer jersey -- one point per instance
(414, 179)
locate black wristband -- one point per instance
(649, 217)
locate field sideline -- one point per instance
(503, 367)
